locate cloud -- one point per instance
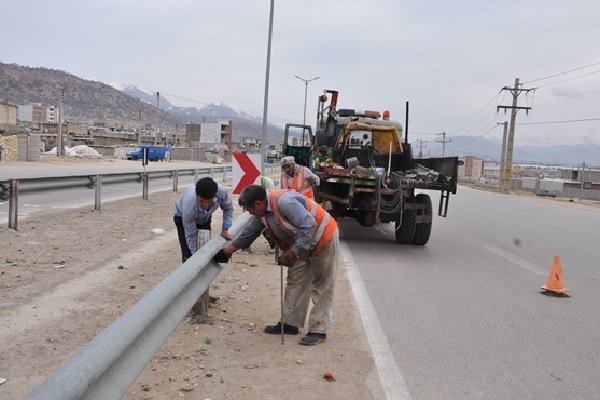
(568, 92)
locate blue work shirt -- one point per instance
(292, 207)
(192, 214)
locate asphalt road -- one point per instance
(463, 316)
(20, 170)
(33, 201)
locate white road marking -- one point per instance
(517, 260)
(391, 379)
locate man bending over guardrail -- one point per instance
(308, 238)
(194, 209)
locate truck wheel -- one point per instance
(405, 233)
(423, 230)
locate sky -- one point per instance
(449, 59)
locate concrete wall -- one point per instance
(574, 190)
(29, 147)
(188, 153)
(8, 113)
(109, 151)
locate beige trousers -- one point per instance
(312, 280)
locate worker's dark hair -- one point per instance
(250, 194)
(206, 188)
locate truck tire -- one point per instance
(405, 233)
(423, 230)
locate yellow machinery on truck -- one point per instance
(368, 172)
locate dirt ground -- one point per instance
(65, 276)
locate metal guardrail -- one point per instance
(106, 367)
(12, 187)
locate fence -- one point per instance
(12, 187)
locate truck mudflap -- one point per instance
(446, 169)
(443, 204)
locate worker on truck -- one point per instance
(194, 209)
(297, 177)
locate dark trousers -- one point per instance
(185, 250)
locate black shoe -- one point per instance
(276, 329)
(312, 338)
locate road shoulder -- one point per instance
(66, 275)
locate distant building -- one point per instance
(471, 169)
(52, 114)
(210, 133)
(192, 135)
(34, 116)
(8, 113)
(25, 113)
(207, 134)
(8, 117)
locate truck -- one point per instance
(367, 171)
(155, 153)
(298, 141)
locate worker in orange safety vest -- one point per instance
(297, 177)
(309, 240)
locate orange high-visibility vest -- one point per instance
(298, 184)
(326, 224)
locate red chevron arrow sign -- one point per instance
(244, 171)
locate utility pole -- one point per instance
(502, 157)
(156, 140)
(139, 136)
(420, 141)
(443, 142)
(59, 141)
(581, 185)
(515, 91)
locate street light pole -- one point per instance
(306, 82)
(263, 142)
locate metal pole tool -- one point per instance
(280, 293)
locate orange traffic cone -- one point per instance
(554, 284)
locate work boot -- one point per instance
(276, 329)
(312, 338)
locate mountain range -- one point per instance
(90, 101)
(490, 150)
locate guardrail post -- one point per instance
(195, 176)
(175, 180)
(224, 173)
(13, 203)
(200, 309)
(145, 186)
(98, 192)
(212, 172)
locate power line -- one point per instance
(482, 135)
(562, 73)
(494, 98)
(559, 122)
(570, 79)
(186, 98)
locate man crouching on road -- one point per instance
(308, 238)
